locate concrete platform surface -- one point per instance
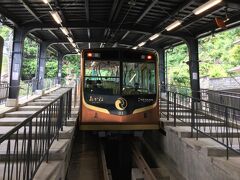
(10, 121)
(30, 108)
(199, 122)
(20, 114)
(38, 103)
(210, 147)
(67, 133)
(57, 151)
(185, 131)
(53, 170)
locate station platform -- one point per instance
(201, 157)
(60, 150)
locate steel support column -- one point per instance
(192, 44)
(162, 72)
(1, 55)
(16, 64)
(60, 61)
(41, 65)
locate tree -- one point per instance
(71, 65)
(178, 70)
(51, 68)
(30, 54)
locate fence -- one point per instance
(221, 97)
(26, 146)
(50, 83)
(4, 87)
(26, 88)
(216, 121)
(75, 84)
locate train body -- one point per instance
(119, 89)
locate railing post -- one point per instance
(226, 123)
(29, 146)
(197, 121)
(70, 104)
(61, 112)
(75, 93)
(168, 105)
(27, 89)
(49, 130)
(175, 106)
(192, 116)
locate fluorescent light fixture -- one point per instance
(154, 36)
(76, 50)
(135, 47)
(206, 6)
(74, 45)
(46, 1)
(89, 45)
(173, 25)
(141, 44)
(70, 39)
(64, 30)
(56, 17)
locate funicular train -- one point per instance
(119, 89)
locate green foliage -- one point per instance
(217, 55)
(235, 55)
(51, 68)
(178, 72)
(29, 69)
(29, 66)
(71, 65)
(5, 32)
(30, 49)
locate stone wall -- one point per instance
(191, 161)
(228, 83)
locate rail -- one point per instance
(27, 145)
(228, 98)
(75, 84)
(216, 121)
(26, 88)
(50, 83)
(4, 88)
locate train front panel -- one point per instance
(119, 86)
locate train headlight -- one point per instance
(89, 55)
(93, 55)
(149, 57)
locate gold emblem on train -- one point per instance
(121, 104)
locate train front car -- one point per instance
(119, 90)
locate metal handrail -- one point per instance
(28, 144)
(222, 97)
(25, 90)
(216, 121)
(201, 90)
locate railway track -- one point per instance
(143, 170)
(112, 159)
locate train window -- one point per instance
(138, 78)
(102, 77)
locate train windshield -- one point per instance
(104, 77)
(138, 78)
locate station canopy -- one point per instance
(118, 23)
